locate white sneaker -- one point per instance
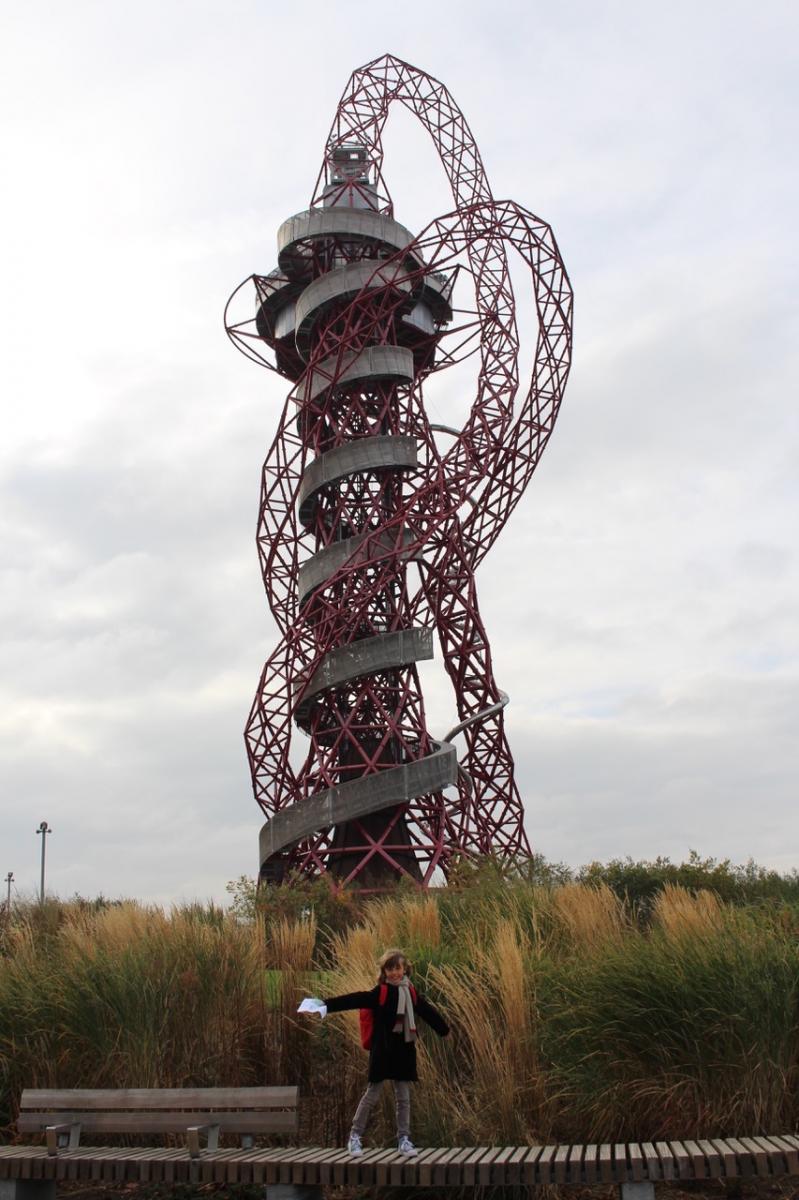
(354, 1144)
(406, 1146)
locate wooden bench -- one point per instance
(63, 1116)
(31, 1173)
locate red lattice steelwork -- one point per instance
(373, 519)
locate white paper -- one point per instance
(312, 1005)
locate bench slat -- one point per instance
(762, 1164)
(424, 1162)
(682, 1159)
(440, 1170)
(728, 1157)
(591, 1163)
(574, 1170)
(789, 1152)
(697, 1159)
(145, 1099)
(529, 1165)
(666, 1156)
(636, 1160)
(559, 1164)
(512, 1166)
(653, 1170)
(712, 1158)
(498, 1166)
(484, 1165)
(161, 1122)
(605, 1160)
(368, 1166)
(746, 1165)
(543, 1166)
(470, 1164)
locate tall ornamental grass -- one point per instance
(573, 1018)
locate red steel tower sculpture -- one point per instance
(373, 519)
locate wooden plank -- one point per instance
(384, 1169)
(245, 1165)
(162, 1122)
(144, 1169)
(273, 1163)
(652, 1161)
(367, 1166)
(591, 1163)
(712, 1158)
(621, 1170)
(728, 1157)
(774, 1153)
(299, 1162)
(635, 1157)
(326, 1168)
(762, 1162)
(263, 1167)
(470, 1165)
(574, 1164)
(455, 1167)
(543, 1167)
(155, 1170)
(529, 1164)
(233, 1173)
(682, 1159)
(440, 1169)
(94, 1164)
(222, 1161)
(397, 1165)
(513, 1167)
(484, 1166)
(667, 1165)
(424, 1162)
(746, 1164)
(697, 1159)
(131, 1161)
(790, 1153)
(169, 1163)
(106, 1099)
(605, 1160)
(285, 1165)
(559, 1164)
(498, 1166)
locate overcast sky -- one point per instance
(642, 602)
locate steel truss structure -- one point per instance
(373, 520)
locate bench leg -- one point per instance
(291, 1191)
(27, 1189)
(644, 1190)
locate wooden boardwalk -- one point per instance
(531, 1166)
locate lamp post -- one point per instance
(9, 881)
(43, 829)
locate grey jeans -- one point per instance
(402, 1096)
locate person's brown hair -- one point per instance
(393, 958)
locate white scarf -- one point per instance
(406, 1019)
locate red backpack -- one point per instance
(367, 1016)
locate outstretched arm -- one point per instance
(352, 1000)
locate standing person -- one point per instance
(392, 1053)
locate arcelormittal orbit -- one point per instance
(373, 519)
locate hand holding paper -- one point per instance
(312, 1005)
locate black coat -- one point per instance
(390, 1057)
